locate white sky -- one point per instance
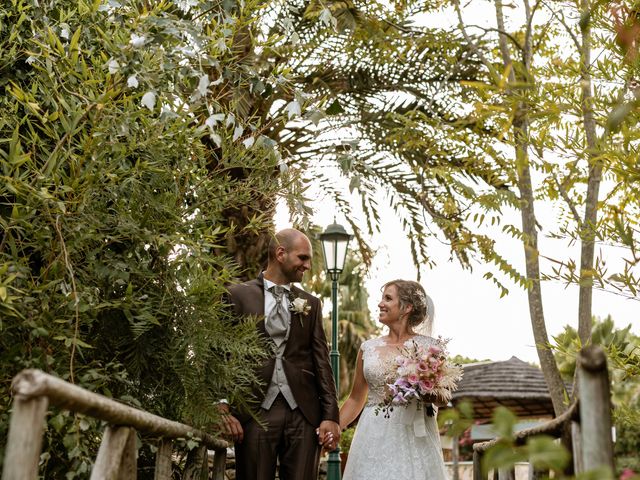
(469, 309)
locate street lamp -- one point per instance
(334, 246)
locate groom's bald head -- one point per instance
(287, 238)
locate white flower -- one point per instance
(137, 41)
(214, 119)
(217, 139)
(203, 84)
(300, 305)
(328, 19)
(293, 109)
(149, 100)
(113, 66)
(237, 132)
(132, 81)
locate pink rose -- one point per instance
(425, 386)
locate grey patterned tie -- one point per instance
(277, 321)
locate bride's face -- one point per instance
(389, 306)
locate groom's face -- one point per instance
(296, 260)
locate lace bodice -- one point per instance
(379, 363)
(404, 445)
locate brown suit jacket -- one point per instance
(306, 355)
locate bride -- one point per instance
(404, 443)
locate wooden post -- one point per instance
(576, 443)
(129, 463)
(477, 466)
(507, 473)
(111, 453)
(34, 383)
(538, 473)
(595, 409)
(219, 464)
(455, 457)
(197, 467)
(24, 441)
(163, 460)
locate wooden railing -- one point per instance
(589, 417)
(35, 390)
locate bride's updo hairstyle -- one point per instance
(412, 293)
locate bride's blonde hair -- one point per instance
(412, 293)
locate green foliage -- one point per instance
(541, 90)
(541, 451)
(114, 206)
(346, 437)
(382, 118)
(457, 420)
(462, 360)
(622, 349)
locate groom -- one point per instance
(298, 409)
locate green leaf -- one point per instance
(503, 422)
(618, 116)
(545, 452)
(335, 108)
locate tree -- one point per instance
(350, 115)
(113, 218)
(543, 101)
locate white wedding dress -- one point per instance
(404, 446)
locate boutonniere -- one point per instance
(300, 306)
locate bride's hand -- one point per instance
(328, 434)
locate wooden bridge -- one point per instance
(34, 391)
(587, 421)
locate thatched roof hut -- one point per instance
(513, 383)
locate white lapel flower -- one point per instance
(300, 306)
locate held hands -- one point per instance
(328, 435)
(230, 424)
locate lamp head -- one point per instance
(335, 240)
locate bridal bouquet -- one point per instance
(421, 371)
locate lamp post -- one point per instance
(334, 246)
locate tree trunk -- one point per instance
(527, 210)
(588, 227)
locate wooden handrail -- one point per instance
(35, 383)
(552, 427)
(591, 410)
(35, 390)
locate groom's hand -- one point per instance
(328, 434)
(230, 424)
